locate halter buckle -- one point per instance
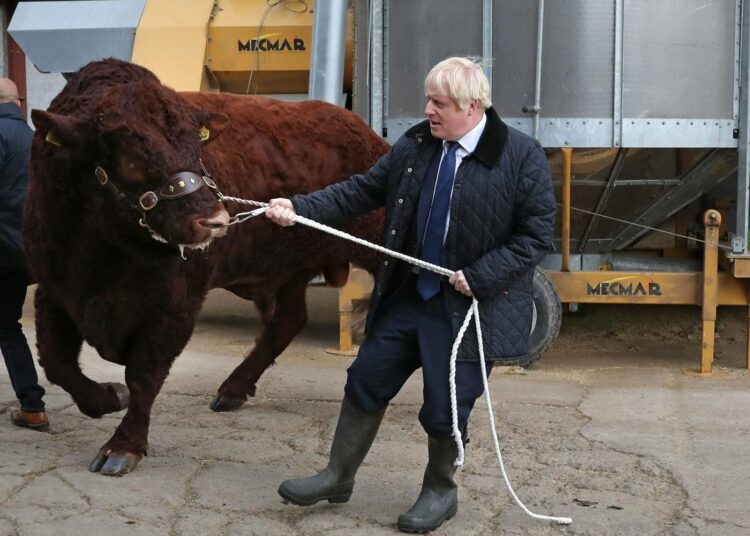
(101, 175)
(148, 200)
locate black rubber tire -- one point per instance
(547, 318)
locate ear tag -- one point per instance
(50, 138)
(204, 134)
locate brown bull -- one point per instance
(118, 197)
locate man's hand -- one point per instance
(458, 280)
(281, 211)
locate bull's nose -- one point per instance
(217, 223)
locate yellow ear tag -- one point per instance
(50, 138)
(204, 133)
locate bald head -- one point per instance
(8, 91)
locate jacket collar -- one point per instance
(491, 143)
(10, 110)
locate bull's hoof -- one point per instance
(121, 392)
(114, 463)
(227, 403)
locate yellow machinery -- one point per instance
(708, 288)
(234, 46)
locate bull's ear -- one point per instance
(60, 130)
(213, 125)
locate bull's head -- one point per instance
(139, 150)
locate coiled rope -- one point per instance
(473, 312)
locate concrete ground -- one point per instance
(606, 429)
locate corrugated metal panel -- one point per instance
(577, 57)
(577, 68)
(666, 79)
(420, 34)
(678, 59)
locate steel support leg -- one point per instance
(358, 287)
(567, 153)
(712, 221)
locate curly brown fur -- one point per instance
(104, 279)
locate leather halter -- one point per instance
(178, 185)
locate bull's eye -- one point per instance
(130, 171)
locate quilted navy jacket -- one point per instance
(501, 223)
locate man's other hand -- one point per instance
(458, 280)
(281, 211)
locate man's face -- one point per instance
(448, 121)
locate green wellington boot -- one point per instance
(438, 500)
(354, 435)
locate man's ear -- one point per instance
(213, 125)
(60, 130)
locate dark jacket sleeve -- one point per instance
(357, 195)
(531, 239)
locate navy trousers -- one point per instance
(13, 345)
(410, 333)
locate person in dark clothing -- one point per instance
(465, 191)
(15, 145)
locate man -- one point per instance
(15, 145)
(464, 191)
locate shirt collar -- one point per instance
(470, 140)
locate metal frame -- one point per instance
(386, 59)
(553, 132)
(717, 166)
(617, 94)
(737, 58)
(657, 132)
(328, 50)
(739, 240)
(614, 173)
(677, 288)
(487, 40)
(536, 109)
(377, 110)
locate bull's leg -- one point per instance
(283, 318)
(59, 345)
(147, 363)
(129, 443)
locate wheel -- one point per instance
(546, 319)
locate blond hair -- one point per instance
(460, 79)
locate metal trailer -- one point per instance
(621, 81)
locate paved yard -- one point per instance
(605, 429)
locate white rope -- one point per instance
(341, 234)
(480, 342)
(452, 382)
(472, 312)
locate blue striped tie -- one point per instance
(428, 283)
